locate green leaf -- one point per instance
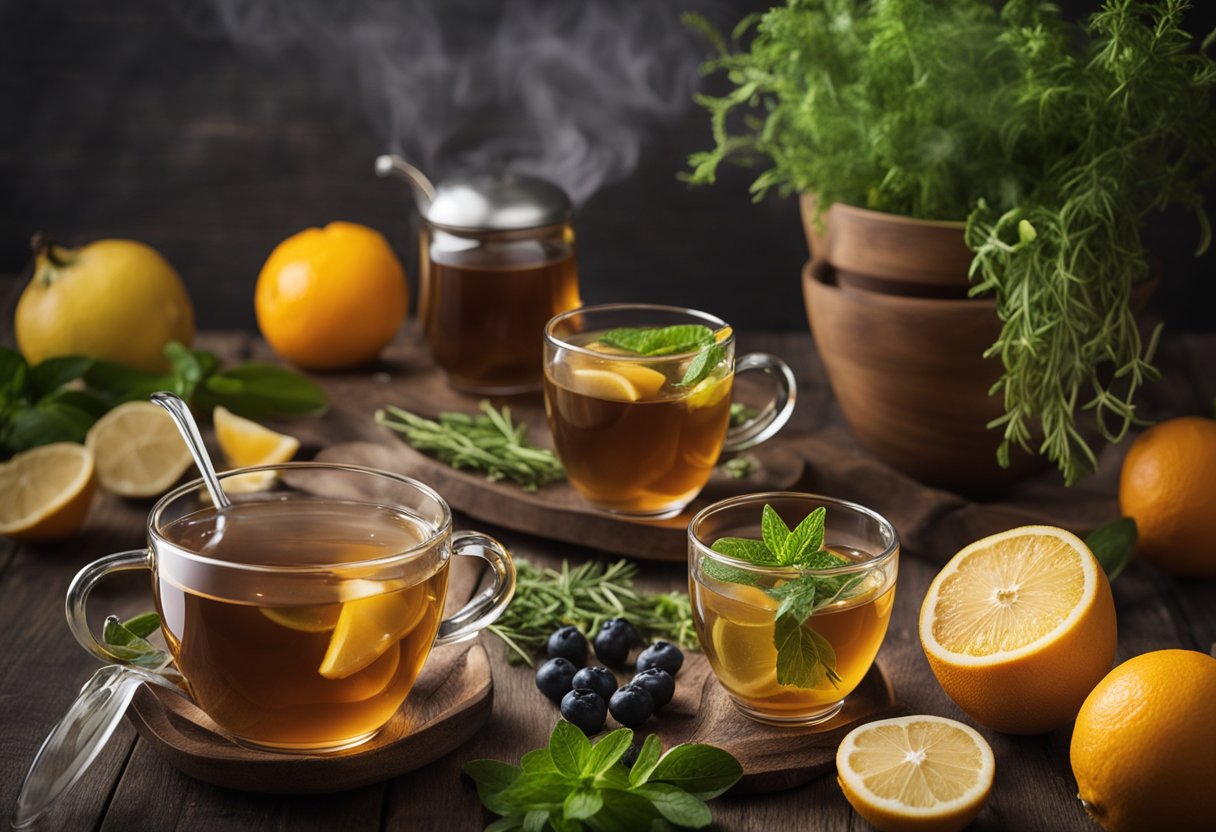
(806, 539)
(535, 820)
(49, 421)
(648, 758)
(804, 658)
(741, 548)
(143, 625)
(677, 805)
(569, 748)
(14, 376)
(510, 823)
(261, 391)
(702, 770)
(537, 760)
(52, 373)
(607, 751)
(84, 400)
(726, 574)
(125, 384)
(623, 811)
(701, 366)
(1113, 545)
(532, 791)
(774, 531)
(492, 774)
(185, 367)
(130, 647)
(582, 804)
(822, 559)
(797, 597)
(669, 340)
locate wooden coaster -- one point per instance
(449, 703)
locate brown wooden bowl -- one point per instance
(910, 376)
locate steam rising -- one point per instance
(563, 89)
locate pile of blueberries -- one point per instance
(588, 693)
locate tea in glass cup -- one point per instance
(799, 667)
(301, 617)
(638, 401)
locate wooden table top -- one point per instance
(131, 788)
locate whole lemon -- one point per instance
(1168, 486)
(1144, 745)
(114, 299)
(331, 298)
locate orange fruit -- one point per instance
(1019, 627)
(1168, 486)
(45, 492)
(1144, 746)
(331, 298)
(915, 773)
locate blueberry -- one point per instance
(631, 755)
(663, 655)
(631, 705)
(598, 678)
(658, 683)
(614, 641)
(568, 643)
(554, 678)
(584, 709)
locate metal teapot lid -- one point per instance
(483, 201)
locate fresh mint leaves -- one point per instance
(574, 784)
(804, 657)
(671, 340)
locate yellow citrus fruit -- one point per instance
(244, 442)
(45, 492)
(113, 299)
(742, 641)
(331, 298)
(367, 628)
(623, 383)
(1144, 746)
(306, 619)
(137, 450)
(1168, 486)
(1019, 627)
(915, 773)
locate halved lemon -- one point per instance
(369, 627)
(244, 442)
(915, 773)
(137, 450)
(1019, 627)
(45, 492)
(623, 383)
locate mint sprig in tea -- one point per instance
(799, 633)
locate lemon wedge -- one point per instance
(315, 619)
(623, 383)
(137, 450)
(244, 442)
(45, 492)
(367, 628)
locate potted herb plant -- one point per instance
(1034, 148)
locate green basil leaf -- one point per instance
(607, 751)
(1113, 545)
(806, 539)
(582, 804)
(52, 373)
(702, 770)
(774, 531)
(569, 748)
(648, 758)
(142, 625)
(623, 811)
(537, 760)
(677, 805)
(261, 391)
(742, 548)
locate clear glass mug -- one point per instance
(735, 609)
(301, 616)
(633, 438)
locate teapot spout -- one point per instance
(393, 165)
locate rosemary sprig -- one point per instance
(489, 442)
(586, 596)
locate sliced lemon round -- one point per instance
(742, 640)
(45, 492)
(368, 627)
(137, 450)
(709, 392)
(243, 442)
(915, 773)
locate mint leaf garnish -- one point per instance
(701, 366)
(668, 340)
(742, 548)
(774, 532)
(804, 658)
(661, 790)
(126, 639)
(805, 540)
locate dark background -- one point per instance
(120, 119)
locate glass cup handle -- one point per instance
(773, 416)
(82, 585)
(485, 607)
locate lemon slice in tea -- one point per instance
(625, 383)
(368, 627)
(742, 640)
(314, 619)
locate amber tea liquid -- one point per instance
(643, 456)
(300, 662)
(484, 311)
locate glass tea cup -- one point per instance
(734, 606)
(634, 438)
(300, 616)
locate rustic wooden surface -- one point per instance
(132, 788)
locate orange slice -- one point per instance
(45, 492)
(367, 628)
(243, 442)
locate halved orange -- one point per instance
(45, 492)
(1019, 627)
